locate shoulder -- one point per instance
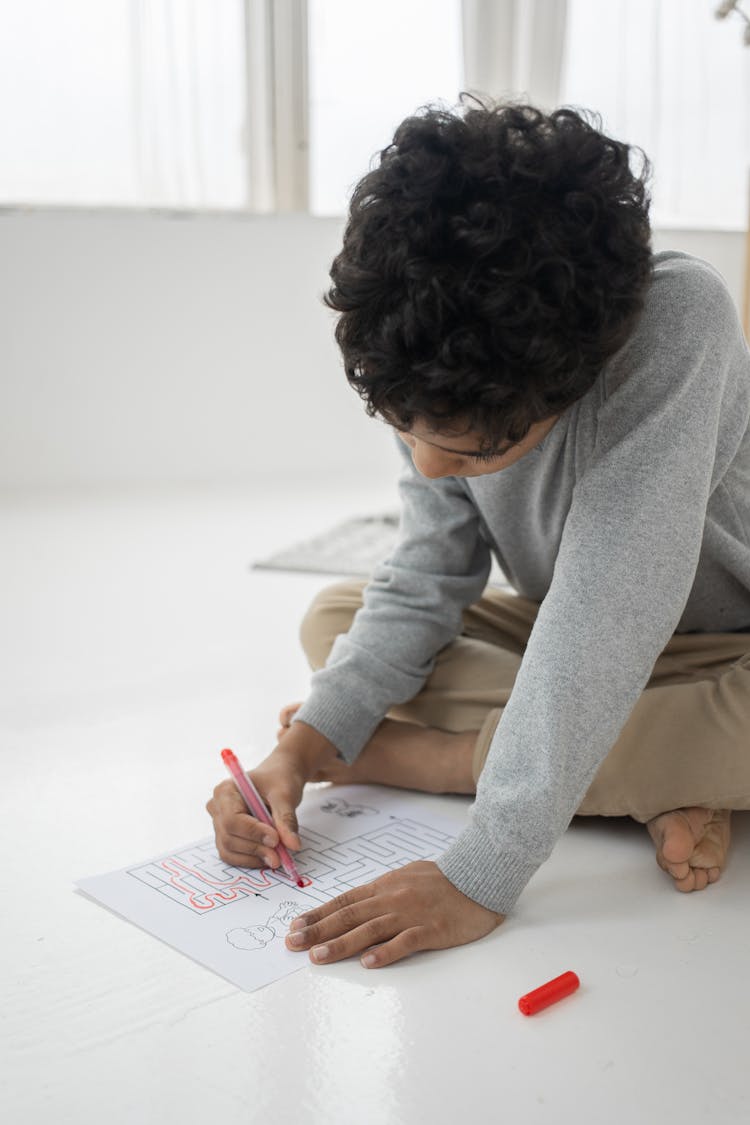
(688, 319)
(685, 290)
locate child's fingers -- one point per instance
(228, 808)
(248, 841)
(226, 800)
(241, 839)
(281, 790)
(253, 832)
(239, 853)
(282, 793)
(285, 819)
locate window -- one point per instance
(123, 102)
(668, 76)
(201, 103)
(371, 66)
(143, 102)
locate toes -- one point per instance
(678, 843)
(688, 883)
(701, 878)
(678, 871)
(697, 879)
(675, 841)
(687, 877)
(690, 845)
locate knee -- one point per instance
(330, 613)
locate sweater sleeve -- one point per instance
(623, 574)
(412, 609)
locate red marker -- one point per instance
(548, 993)
(255, 804)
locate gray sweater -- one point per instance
(631, 521)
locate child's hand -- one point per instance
(241, 839)
(415, 907)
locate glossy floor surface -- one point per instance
(137, 644)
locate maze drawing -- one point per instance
(334, 868)
(197, 878)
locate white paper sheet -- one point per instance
(233, 920)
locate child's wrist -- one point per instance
(308, 746)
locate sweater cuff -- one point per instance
(348, 727)
(491, 878)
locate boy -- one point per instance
(580, 407)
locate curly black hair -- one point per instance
(492, 261)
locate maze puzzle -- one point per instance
(197, 878)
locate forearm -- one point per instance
(412, 608)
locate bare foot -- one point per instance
(404, 755)
(691, 845)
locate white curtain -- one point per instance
(514, 48)
(277, 121)
(204, 103)
(670, 77)
(196, 64)
(188, 101)
(665, 75)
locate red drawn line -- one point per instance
(202, 900)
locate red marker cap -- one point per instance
(548, 993)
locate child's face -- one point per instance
(448, 453)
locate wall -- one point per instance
(140, 347)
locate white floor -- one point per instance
(137, 644)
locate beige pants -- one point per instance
(686, 741)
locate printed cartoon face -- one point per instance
(343, 808)
(286, 912)
(250, 937)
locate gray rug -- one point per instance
(353, 547)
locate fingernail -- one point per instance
(296, 939)
(369, 960)
(297, 924)
(320, 952)
(269, 841)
